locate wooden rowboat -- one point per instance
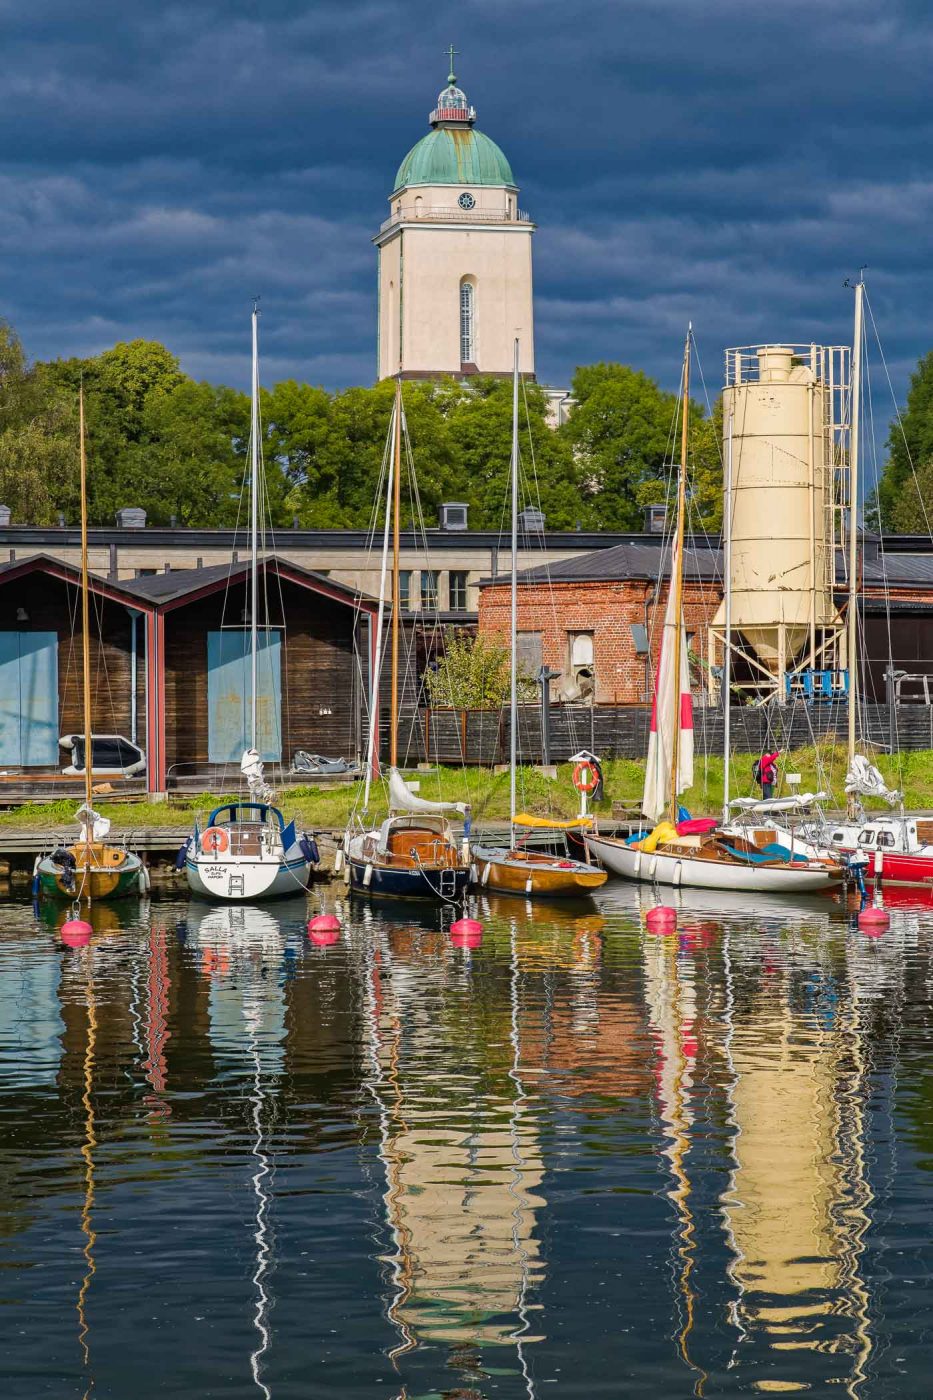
(535, 874)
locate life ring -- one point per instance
(585, 778)
(215, 839)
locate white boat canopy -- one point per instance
(765, 806)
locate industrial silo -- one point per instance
(784, 406)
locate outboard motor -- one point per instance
(857, 865)
(67, 864)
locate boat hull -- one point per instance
(441, 884)
(239, 881)
(91, 882)
(537, 877)
(656, 867)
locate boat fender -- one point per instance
(465, 851)
(181, 859)
(486, 869)
(346, 874)
(474, 876)
(308, 848)
(528, 885)
(678, 872)
(35, 876)
(652, 867)
(879, 862)
(367, 877)
(338, 860)
(638, 864)
(145, 879)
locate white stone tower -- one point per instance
(454, 255)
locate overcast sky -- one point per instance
(727, 162)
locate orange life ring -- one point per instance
(585, 778)
(215, 839)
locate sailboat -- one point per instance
(519, 868)
(93, 868)
(247, 851)
(413, 853)
(694, 852)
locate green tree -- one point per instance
(475, 673)
(904, 502)
(624, 432)
(38, 439)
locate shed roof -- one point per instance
(179, 585)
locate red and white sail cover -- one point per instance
(661, 739)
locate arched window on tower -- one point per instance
(467, 322)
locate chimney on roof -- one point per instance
(453, 515)
(131, 517)
(531, 521)
(655, 519)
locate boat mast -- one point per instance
(254, 537)
(726, 682)
(513, 700)
(85, 637)
(677, 574)
(852, 617)
(396, 600)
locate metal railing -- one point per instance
(435, 215)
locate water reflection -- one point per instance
(579, 1154)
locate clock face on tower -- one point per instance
(466, 201)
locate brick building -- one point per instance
(597, 618)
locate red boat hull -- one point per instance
(898, 867)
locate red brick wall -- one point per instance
(608, 610)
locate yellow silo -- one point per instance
(783, 406)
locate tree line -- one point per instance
(178, 447)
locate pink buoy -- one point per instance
(76, 933)
(661, 919)
(874, 920)
(324, 930)
(466, 933)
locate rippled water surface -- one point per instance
(580, 1159)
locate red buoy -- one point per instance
(874, 920)
(324, 930)
(466, 933)
(76, 933)
(661, 919)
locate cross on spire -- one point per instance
(451, 54)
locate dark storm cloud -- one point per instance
(714, 161)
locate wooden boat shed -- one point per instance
(171, 671)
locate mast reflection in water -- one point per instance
(580, 1156)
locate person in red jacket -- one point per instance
(766, 772)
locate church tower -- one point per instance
(454, 255)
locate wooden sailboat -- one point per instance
(92, 868)
(247, 851)
(413, 853)
(677, 853)
(520, 868)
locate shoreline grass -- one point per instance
(822, 768)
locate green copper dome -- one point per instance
(454, 152)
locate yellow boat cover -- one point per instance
(524, 819)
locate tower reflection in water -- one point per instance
(459, 1145)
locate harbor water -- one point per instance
(579, 1159)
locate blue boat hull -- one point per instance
(447, 885)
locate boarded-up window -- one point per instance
(528, 647)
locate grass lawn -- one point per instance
(822, 768)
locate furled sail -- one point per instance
(252, 770)
(865, 780)
(661, 738)
(402, 799)
(94, 827)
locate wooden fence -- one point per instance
(481, 737)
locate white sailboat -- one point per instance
(413, 853)
(247, 851)
(522, 867)
(696, 853)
